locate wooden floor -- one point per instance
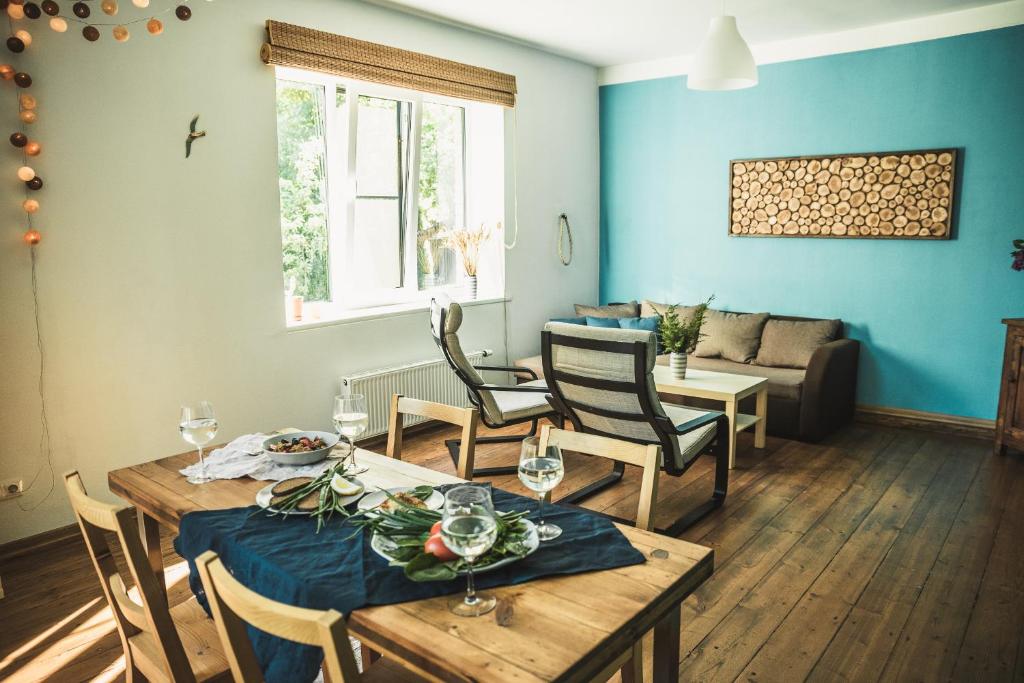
(880, 554)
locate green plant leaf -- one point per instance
(426, 567)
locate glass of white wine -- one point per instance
(469, 530)
(198, 426)
(541, 472)
(351, 419)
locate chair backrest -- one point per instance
(152, 616)
(647, 456)
(463, 417)
(603, 380)
(445, 321)
(233, 606)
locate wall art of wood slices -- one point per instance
(880, 195)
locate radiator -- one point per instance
(429, 380)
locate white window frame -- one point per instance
(341, 164)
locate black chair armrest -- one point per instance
(698, 422)
(830, 389)
(510, 368)
(512, 387)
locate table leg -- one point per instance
(730, 412)
(666, 647)
(762, 424)
(151, 541)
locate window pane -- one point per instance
(378, 147)
(381, 175)
(301, 163)
(441, 191)
(377, 257)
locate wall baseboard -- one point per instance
(973, 427)
(30, 544)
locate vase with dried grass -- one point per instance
(467, 242)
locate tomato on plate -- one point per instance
(435, 546)
(436, 529)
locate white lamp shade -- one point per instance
(723, 61)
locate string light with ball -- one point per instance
(20, 39)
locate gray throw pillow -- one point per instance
(630, 310)
(791, 343)
(733, 336)
(649, 308)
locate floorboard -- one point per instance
(879, 554)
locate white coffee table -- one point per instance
(724, 387)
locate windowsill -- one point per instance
(377, 312)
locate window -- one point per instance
(373, 180)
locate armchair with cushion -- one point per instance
(500, 405)
(601, 378)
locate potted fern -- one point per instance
(680, 337)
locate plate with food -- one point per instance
(414, 543)
(390, 500)
(330, 491)
(300, 448)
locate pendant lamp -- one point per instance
(723, 61)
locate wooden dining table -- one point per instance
(563, 628)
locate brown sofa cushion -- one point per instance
(629, 310)
(791, 343)
(782, 382)
(733, 336)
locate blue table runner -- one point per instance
(284, 559)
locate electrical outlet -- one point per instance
(12, 488)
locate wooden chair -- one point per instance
(179, 644)
(646, 456)
(234, 606)
(602, 379)
(463, 417)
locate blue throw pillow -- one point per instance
(571, 321)
(602, 322)
(650, 324)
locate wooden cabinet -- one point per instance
(1010, 418)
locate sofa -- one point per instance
(810, 365)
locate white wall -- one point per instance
(160, 277)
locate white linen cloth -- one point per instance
(236, 460)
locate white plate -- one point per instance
(372, 500)
(264, 496)
(381, 543)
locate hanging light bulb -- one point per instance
(30, 205)
(6, 72)
(723, 60)
(27, 101)
(15, 11)
(121, 34)
(155, 26)
(32, 237)
(59, 24)
(28, 116)
(141, 3)
(33, 148)
(109, 7)
(26, 173)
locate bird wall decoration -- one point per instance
(193, 135)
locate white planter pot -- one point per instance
(677, 361)
(471, 287)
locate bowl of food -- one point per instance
(300, 448)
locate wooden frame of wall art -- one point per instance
(876, 195)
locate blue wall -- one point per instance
(928, 312)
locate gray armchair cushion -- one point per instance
(515, 405)
(733, 336)
(620, 367)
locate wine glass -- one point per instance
(351, 419)
(469, 530)
(541, 472)
(198, 426)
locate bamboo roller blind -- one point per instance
(305, 48)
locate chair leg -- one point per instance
(721, 454)
(454, 445)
